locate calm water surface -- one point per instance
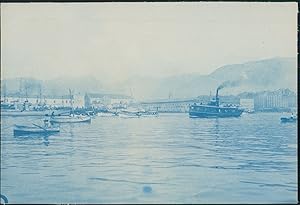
(168, 159)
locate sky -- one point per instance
(115, 41)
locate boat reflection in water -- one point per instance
(214, 109)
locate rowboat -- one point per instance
(34, 130)
(128, 114)
(70, 119)
(289, 119)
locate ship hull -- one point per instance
(18, 132)
(203, 111)
(213, 115)
(290, 119)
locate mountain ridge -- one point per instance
(266, 74)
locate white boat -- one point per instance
(127, 114)
(70, 119)
(107, 114)
(36, 129)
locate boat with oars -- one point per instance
(46, 129)
(72, 117)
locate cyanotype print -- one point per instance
(149, 102)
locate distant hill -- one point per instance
(269, 74)
(55, 87)
(266, 74)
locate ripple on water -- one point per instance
(123, 159)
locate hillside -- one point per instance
(269, 74)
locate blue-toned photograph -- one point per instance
(149, 102)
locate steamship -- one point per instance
(213, 109)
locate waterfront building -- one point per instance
(279, 100)
(97, 100)
(169, 105)
(48, 101)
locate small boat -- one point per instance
(70, 119)
(35, 129)
(107, 114)
(148, 114)
(128, 114)
(292, 118)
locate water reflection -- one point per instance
(32, 140)
(148, 160)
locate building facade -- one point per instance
(169, 106)
(280, 100)
(48, 101)
(95, 100)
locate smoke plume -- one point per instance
(228, 84)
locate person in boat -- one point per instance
(292, 116)
(46, 123)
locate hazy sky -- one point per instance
(118, 40)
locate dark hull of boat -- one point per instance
(206, 111)
(41, 132)
(285, 119)
(213, 115)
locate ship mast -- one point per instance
(71, 100)
(40, 93)
(4, 92)
(20, 89)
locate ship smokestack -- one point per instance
(224, 85)
(217, 97)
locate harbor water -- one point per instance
(167, 159)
